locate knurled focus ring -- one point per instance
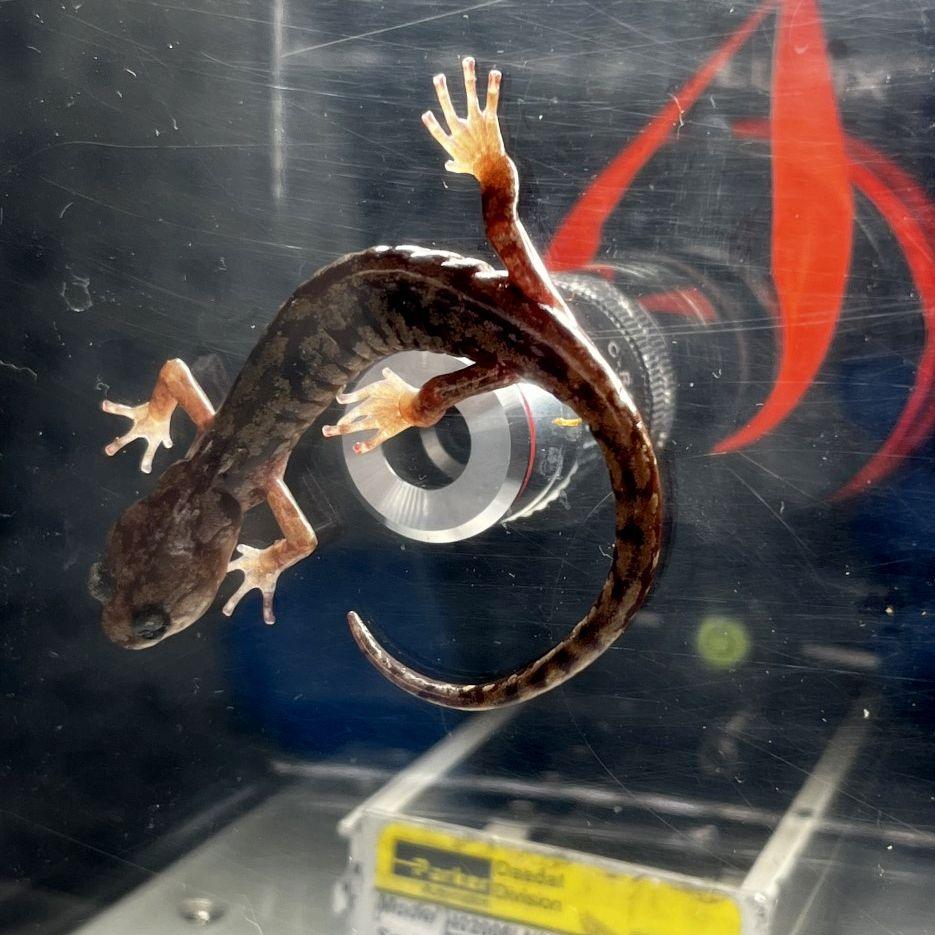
(631, 342)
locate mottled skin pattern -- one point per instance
(168, 554)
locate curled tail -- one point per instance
(635, 480)
(564, 362)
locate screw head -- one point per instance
(200, 911)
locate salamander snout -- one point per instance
(165, 559)
(101, 584)
(150, 622)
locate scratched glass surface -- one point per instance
(747, 187)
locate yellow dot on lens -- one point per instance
(722, 642)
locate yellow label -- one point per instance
(546, 892)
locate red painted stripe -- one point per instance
(921, 207)
(688, 303)
(900, 181)
(813, 213)
(910, 214)
(578, 238)
(917, 419)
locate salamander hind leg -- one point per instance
(262, 567)
(391, 405)
(474, 143)
(475, 146)
(387, 407)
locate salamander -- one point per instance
(168, 554)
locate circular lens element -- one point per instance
(446, 483)
(513, 453)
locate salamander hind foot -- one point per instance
(474, 142)
(387, 407)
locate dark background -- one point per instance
(169, 173)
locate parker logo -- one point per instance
(442, 868)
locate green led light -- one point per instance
(722, 642)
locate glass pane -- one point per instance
(732, 201)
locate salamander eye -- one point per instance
(150, 622)
(101, 585)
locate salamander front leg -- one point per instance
(262, 567)
(175, 386)
(390, 406)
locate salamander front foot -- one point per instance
(175, 386)
(261, 569)
(386, 406)
(150, 423)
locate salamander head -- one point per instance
(165, 560)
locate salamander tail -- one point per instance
(636, 552)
